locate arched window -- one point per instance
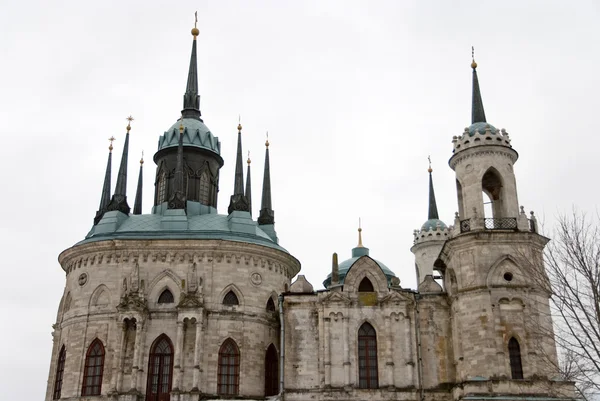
(228, 376)
(270, 305)
(491, 185)
(367, 357)
(94, 367)
(166, 297)
(161, 192)
(271, 372)
(160, 370)
(514, 353)
(60, 369)
(204, 188)
(365, 286)
(230, 299)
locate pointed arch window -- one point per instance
(94, 368)
(166, 297)
(367, 357)
(204, 188)
(271, 372)
(231, 299)
(366, 286)
(161, 193)
(270, 305)
(514, 353)
(160, 370)
(60, 370)
(228, 376)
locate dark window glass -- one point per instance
(367, 357)
(271, 372)
(162, 188)
(166, 297)
(231, 299)
(228, 376)
(160, 370)
(60, 369)
(204, 188)
(365, 286)
(270, 305)
(94, 367)
(514, 352)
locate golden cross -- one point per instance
(130, 119)
(429, 158)
(111, 139)
(473, 52)
(196, 17)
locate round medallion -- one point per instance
(83, 277)
(256, 278)
(469, 168)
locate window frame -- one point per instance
(368, 369)
(271, 371)
(96, 369)
(166, 292)
(515, 359)
(60, 370)
(160, 374)
(228, 370)
(228, 300)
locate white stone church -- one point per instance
(187, 304)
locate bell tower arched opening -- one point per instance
(492, 188)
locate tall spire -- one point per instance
(267, 215)
(105, 197)
(433, 212)
(238, 200)
(178, 199)
(249, 186)
(477, 112)
(137, 205)
(119, 198)
(191, 98)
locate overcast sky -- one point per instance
(355, 96)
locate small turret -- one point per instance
(267, 215)
(249, 186)
(238, 201)
(137, 205)
(119, 198)
(105, 197)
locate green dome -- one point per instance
(344, 267)
(433, 223)
(195, 134)
(481, 127)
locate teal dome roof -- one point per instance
(344, 267)
(195, 134)
(433, 223)
(481, 127)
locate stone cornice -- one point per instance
(481, 151)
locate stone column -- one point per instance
(178, 368)
(136, 353)
(116, 372)
(140, 360)
(197, 352)
(345, 329)
(408, 352)
(389, 360)
(327, 351)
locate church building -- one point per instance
(187, 304)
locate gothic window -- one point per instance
(514, 353)
(271, 372)
(228, 376)
(367, 357)
(160, 370)
(231, 299)
(491, 185)
(166, 297)
(204, 188)
(270, 305)
(94, 367)
(60, 369)
(366, 286)
(161, 194)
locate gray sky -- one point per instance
(354, 94)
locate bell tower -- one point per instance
(493, 273)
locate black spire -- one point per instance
(137, 205)
(238, 200)
(433, 212)
(267, 215)
(477, 112)
(249, 187)
(105, 197)
(119, 198)
(191, 98)
(178, 199)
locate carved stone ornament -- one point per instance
(177, 201)
(119, 203)
(267, 216)
(132, 302)
(238, 203)
(256, 278)
(83, 278)
(189, 301)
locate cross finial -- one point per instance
(360, 244)
(239, 122)
(248, 157)
(195, 19)
(429, 169)
(195, 31)
(473, 63)
(129, 120)
(142, 159)
(267, 142)
(111, 139)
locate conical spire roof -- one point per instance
(191, 98)
(137, 205)
(433, 219)
(477, 112)
(267, 215)
(105, 197)
(238, 201)
(249, 186)
(119, 198)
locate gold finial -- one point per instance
(195, 31)
(267, 142)
(142, 159)
(248, 157)
(129, 119)
(429, 170)
(473, 63)
(181, 128)
(111, 139)
(360, 244)
(239, 123)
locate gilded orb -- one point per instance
(473, 64)
(195, 31)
